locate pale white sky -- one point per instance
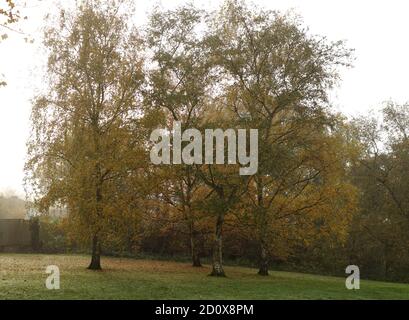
(376, 29)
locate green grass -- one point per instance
(22, 276)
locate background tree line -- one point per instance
(328, 192)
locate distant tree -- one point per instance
(35, 233)
(12, 207)
(386, 157)
(382, 176)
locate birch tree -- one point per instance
(83, 147)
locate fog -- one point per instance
(12, 207)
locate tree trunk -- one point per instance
(261, 217)
(217, 249)
(195, 257)
(385, 262)
(187, 208)
(194, 247)
(263, 270)
(262, 221)
(96, 243)
(96, 254)
(35, 234)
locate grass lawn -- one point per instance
(22, 276)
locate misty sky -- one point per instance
(377, 30)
